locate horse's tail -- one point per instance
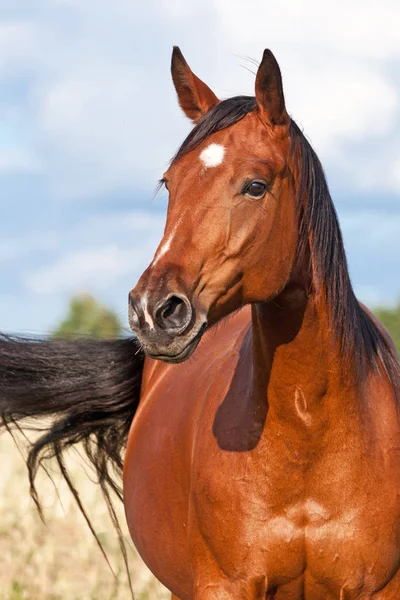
(72, 391)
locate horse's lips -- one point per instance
(183, 354)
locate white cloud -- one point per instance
(109, 247)
(19, 160)
(84, 269)
(332, 57)
(342, 105)
(99, 123)
(394, 177)
(90, 108)
(368, 29)
(18, 48)
(104, 111)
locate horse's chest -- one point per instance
(285, 522)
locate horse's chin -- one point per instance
(180, 354)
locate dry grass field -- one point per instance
(60, 560)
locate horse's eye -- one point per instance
(164, 182)
(255, 189)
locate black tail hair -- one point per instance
(73, 390)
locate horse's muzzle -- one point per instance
(167, 329)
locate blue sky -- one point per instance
(89, 120)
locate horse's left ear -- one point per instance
(269, 91)
(195, 97)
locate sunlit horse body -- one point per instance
(268, 465)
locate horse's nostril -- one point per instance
(170, 307)
(175, 313)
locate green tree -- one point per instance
(391, 320)
(87, 316)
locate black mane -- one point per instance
(226, 113)
(361, 341)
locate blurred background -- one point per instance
(88, 123)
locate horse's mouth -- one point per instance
(182, 354)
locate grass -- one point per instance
(60, 560)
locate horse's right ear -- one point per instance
(269, 92)
(195, 97)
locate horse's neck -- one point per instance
(296, 365)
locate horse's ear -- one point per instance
(194, 96)
(269, 91)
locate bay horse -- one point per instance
(267, 466)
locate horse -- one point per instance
(259, 414)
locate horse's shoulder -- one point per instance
(224, 339)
